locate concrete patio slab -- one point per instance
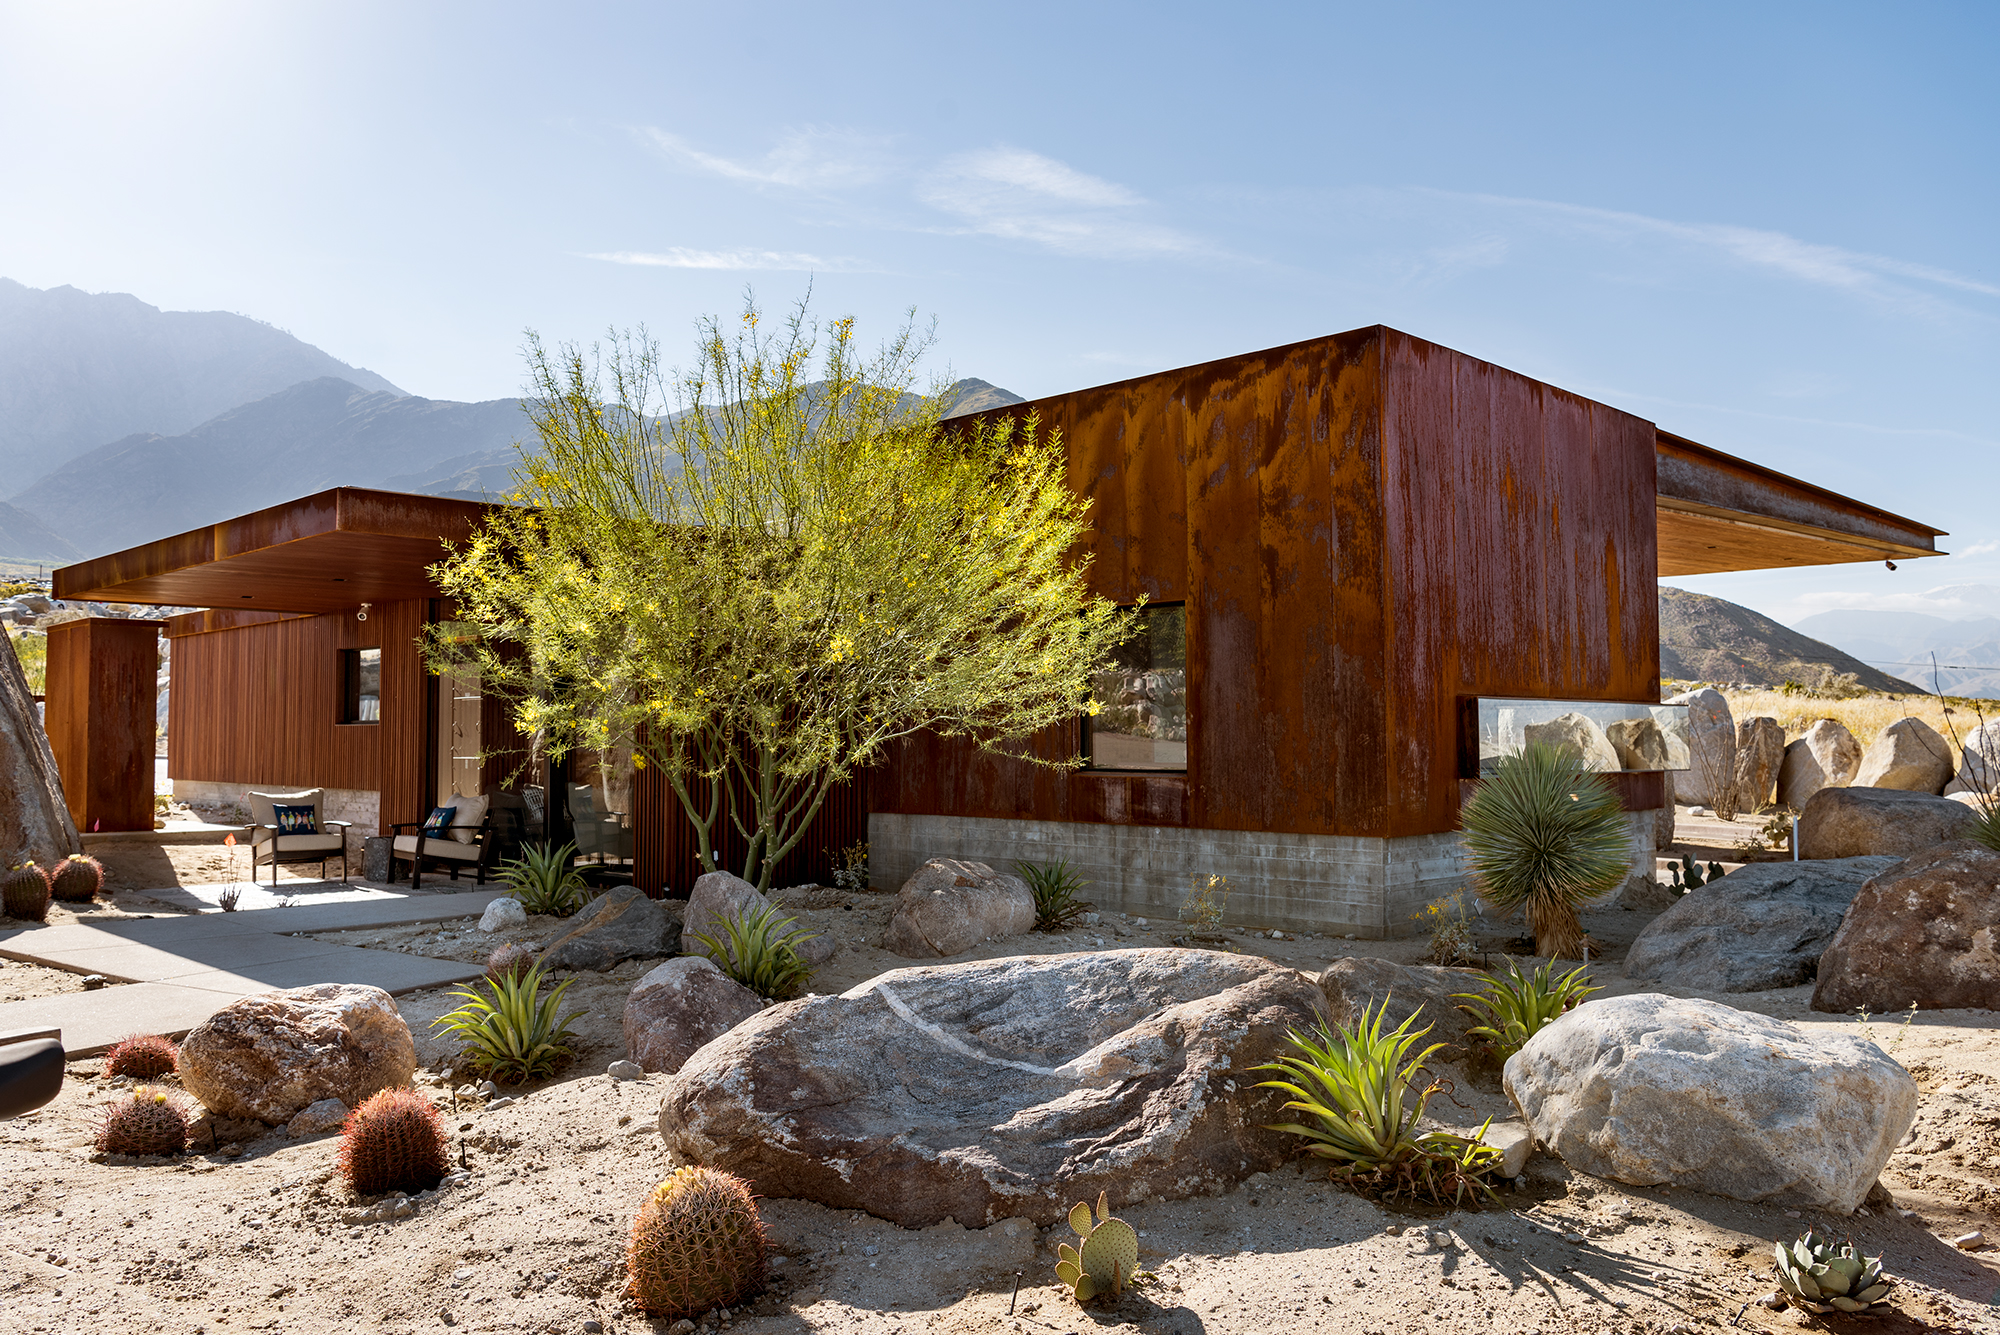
(93, 1021)
(393, 972)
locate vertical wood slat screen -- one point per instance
(665, 846)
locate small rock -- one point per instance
(624, 1070)
(462, 1274)
(593, 1327)
(317, 1119)
(1970, 1242)
(497, 1104)
(1515, 1141)
(681, 1327)
(1773, 1300)
(502, 914)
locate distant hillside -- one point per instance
(323, 433)
(1967, 651)
(1709, 639)
(25, 538)
(78, 369)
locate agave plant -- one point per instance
(1545, 834)
(544, 881)
(1518, 1005)
(1055, 888)
(1361, 1086)
(511, 1033)
(1820, 1277)
(761, 952)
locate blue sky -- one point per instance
(1770, 228)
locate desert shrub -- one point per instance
(1519, 1005)
(1546, 835)
(77, 879)
(697, 1244)
(1361, 1088)
(24, 893)
(1450, 927)
(142, 1057)
(1206, 899)
(544, 881)
(150, 1122)
(760, 952)
(512, 1033)
(851, 871)
(1055, 888)
(395, 1141)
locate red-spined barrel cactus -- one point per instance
(24, 893)
(394, 1142)
(142, 1057)
(150, 1122)
(509, 961)
(77, 879)
(697, 1244)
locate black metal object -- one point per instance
(31, 1074)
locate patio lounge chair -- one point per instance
(465, 843)
(312, 840)
(603, 833)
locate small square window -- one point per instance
(1142, 719)
(361, 685)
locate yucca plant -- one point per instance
(1545, 834)
(1055, 888)
(1361, 1087)
(1518, 1005)
(543, 880)
(761, 952)
(511, 1033)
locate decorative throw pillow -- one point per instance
(438, 822)
(294, 820)
(471, 811)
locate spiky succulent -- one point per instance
(395, 1141)
(697, 1244)
(24, 893)
(1820, 1277)
(509, 961)
(77, 879)
(142, 1057)
(1106, 1254)
(150, 1122)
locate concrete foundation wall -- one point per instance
(361, 807)
(1371, 888)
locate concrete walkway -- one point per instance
(182, 970)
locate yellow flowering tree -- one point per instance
(758, 573)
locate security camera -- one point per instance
(362, 615)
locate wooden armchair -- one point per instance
(271, 845)
(468, 843)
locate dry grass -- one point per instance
(33, 651)
(1865, 716)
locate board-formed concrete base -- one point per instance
(1371, 888)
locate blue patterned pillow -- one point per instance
(295, 820)
(438, 822)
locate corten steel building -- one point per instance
(1344, 544)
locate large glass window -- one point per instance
(1141, 720)
(361, 685)
(1606, 736)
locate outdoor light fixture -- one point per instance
(1890, 564)
(362, 615)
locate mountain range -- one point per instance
(1711, 639)
(1966, 652)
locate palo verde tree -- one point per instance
(760, 572)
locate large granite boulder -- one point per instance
(1909, 755)
(992, 1088)
(1924, 932)
(1760, 927)
(1760, 750)
(269, 1057)
(949, 906)
(1826, 757)
(1867, 822)
(719, 899)
(1357, 982)
(1639, 744)
(1711, 763)
(1579, 736)
(34, 818)
(1650, 1089)
(1979, 764)
(678, 1007)
(614, 927)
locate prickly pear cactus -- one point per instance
(1819, 1277)
(1107, 1254)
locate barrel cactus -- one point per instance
(697, 1244)
(150, 1122)
(1105, 1257)
(77, 879)
(24, 893)
(395, 1141)
(1820, 1277)
(142, 1057)
(509, 961)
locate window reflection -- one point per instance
(1605, 736)
(1142, 718)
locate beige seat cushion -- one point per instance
(302, 843)
(470, 812)
(438, 848)
(261, 813)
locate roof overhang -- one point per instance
(1718, 512)
(328, 552)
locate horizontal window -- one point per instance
(1608, 736)
(1141, 721)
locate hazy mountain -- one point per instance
(1710, 639)
(78, 369)
(25, 538)
(306, 438)
(1967, 651)
(474, 476)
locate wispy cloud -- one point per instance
(1953, 602)
(679, 257)
(1023, 196)
(819, 159)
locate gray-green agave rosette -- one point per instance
(1820, 1277)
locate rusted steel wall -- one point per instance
(1363, 528)
(100, 715)
(665, 846)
